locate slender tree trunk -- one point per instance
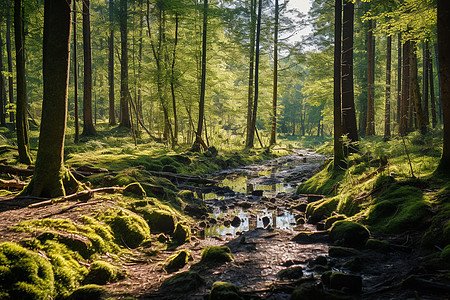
(370, 129)
(425, 77)
(88, 124)
(443, 28)
(2, 87)
(438, 66)
(21, 106)
(75, 74)
(201, 104)
(112, 111)
(251, 73)
(124, 107)
(349, 127)
(403, 118)
(412, 120)
(172, 83)
(10, 64)
(432, 96)
(50, 179)
(273, 135)
(399, 78)
(387, 110)
(337, 111)
(255, 99)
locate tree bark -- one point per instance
(2, 88)
(50, 178)
(399, 77)
(443, 28)
(112, 110)
(387, 109)
(425, 77)
(432, 95)
(172, 83)
(10, 64)
(21, 105)
(349, 126)
(370, 129)
(75, 74)
(201, 104)
(88, 124)
(417, 99)
(403, 117)
(273, 135)
(124, 107)
(251, 72)
(337, 111)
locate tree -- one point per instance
(273, 135)
(443, 28)
(387, 107)
(348, 95)
(112, 113)
(251, 74)
(432, 96)
(124, 108)
(338, 150)
(417, 101)
(23, 143)
(2, 87)
(50, 178)
(88, 124)
(370, 129)
(10, 64)
(403, 117)
(75, 74)
(201, 104)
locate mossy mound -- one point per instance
(102, 272)
(177, 260)
(445, 256)
(184, 282)
(158, 219)
(24, 274)
(375, 244)
(312, 291)
(349, 234)
(350, 282)
(181, 234)
(319, 210)
(333, 219)
(215, 254)
(224, 291)
(90, 291)
(135, 189)
(291, 273)
(128, 228)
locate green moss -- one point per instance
(224, 291)
(331, 220)
(135, 189)
(24, 274)
(439, 231)
(445, 256)
(349, 234)
(158, 219)
(377, 244)
(177, 260)
(100, 235)
(184, 282)
(128, 228)
(321, 209)
(181, 234)
(215, 254)
(90, 291)
(102, 272)
(325, 182)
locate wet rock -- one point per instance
(224, 291)
(320, 260)
(212, 221)
(375, 244)
(291, 263)
(355, 264)
(181, 234)
(311, 291)
(227, 223)
(342, 252)
(348, 282)
(177, 260)
(291, 273)
(307, 237)
(236, 221)
(258, 193)
(182, 283)
(349, 234)
(244, 204)
(265, 221)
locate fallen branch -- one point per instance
(4, 169)
(12, 183)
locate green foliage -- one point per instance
(214, 254)
(24, 274)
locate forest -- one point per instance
(246, 149)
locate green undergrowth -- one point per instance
(378, 189)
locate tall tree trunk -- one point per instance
(439, 81)
(370, 129)
(349, 126)
(337, 111)
(387, 110)
(23, 143)
(124, 107)
(251, 73)
(10, 64)
(403, 118)
(255, 98)
(443, 28)
(172, 83)
(75, 74)
(425, 77)
(2, 87)
(50, 179)
(273, 135)
(399, 77)
(88, 124)
(432, 96)
(112, 110)
(201, 104)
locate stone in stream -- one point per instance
(265, 221)
(258, 193)
(236, 221)
(291, 273)
(348, 282)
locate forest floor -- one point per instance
(251, 208)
